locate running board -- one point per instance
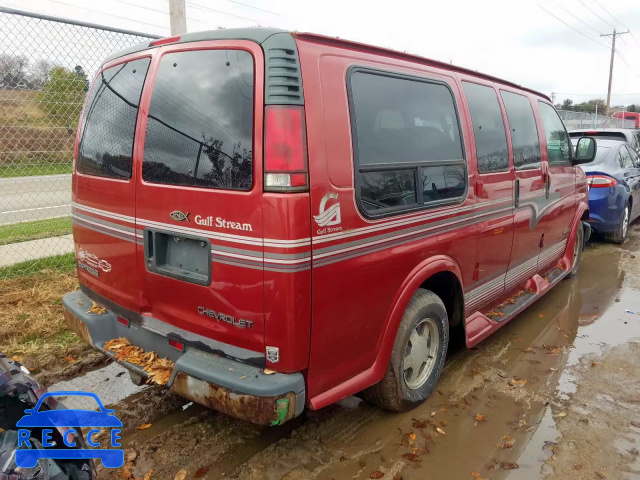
(482, 323)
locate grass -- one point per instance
(30, 169)
(62, 264)
(24, 231)
(32, 320)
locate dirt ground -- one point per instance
(555, 394)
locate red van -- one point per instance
(293, 218)
(635, 116)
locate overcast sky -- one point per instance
(513, 39)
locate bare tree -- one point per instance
(40, 72)
(12, 70)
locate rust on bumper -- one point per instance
(272, 410)
(77, 326)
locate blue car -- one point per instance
(28, 458)
(614, 188)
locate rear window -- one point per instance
(406, 142)
(200, 123)
(601, 154)
(106, 138)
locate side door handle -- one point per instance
(517, 193)
(547, 184)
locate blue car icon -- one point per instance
(33, 418)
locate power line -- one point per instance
(108, 14)
(574, 29)
(255, 8)
(201, 7)
(587, 7)
(581, 21)
(159, 11)
(608, 13)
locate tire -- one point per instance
(403, 388)
(578, 247)
(620, 235)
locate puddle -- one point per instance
(110, 383)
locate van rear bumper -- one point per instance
(225, 384)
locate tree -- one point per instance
(40, 72)
(567, 103)
(80, 73)
(62, 97)
(632, 108)
(12, 70)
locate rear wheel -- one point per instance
(578, 247)
(418, 355)
(620, 235)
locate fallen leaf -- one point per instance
(440, 431)
(433, 413)
(475, 424)
(506, 442)
(268, 371)
(578, 466)
(412, 457)
(376, 474)
(516, 339)
(561, 415)
(126, 472)
(443, 410)
(69, 359)
(201, 472)
(593, 364)
(147, 476)
(541, 315)
(444, 423)
(144, 427)
(529, 350)
(508, 466)
(601, 474)
(517, 382)
(132, 455)
(480, 418)
(412, 436)
(96, 309)
(181, 475)
(419, 423)
(16, 358)
(476, 475)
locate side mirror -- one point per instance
(585, 150)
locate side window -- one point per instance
(625, 158)
(108, 128)
(634, 157)
(406, 142)
(200, 124)
(557, 138)
(488, 128)
(524, 133)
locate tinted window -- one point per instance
(443, 182)
(391, 188)
(557, 137)
(399, 120)
(488, 128)
(625, 158)
(106, 142)
(405, 131)
(634, 156)
(200, 125)
(524, 133)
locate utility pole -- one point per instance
(613, 52)
(177, 17)
(553, 97)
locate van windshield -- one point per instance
(200, 123)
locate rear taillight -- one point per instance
(601, 181)
(285, 149)
(176, 344)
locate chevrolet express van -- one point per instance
(293, 218)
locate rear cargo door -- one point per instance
(104, 186)
(199, 191)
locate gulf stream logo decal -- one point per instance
(328, 216)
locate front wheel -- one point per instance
(620, 235)
(418, 355)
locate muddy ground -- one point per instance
(554, 394)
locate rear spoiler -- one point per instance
(596, 133)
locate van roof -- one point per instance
(261, 34)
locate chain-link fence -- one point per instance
(46, 64)
(575, 120)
